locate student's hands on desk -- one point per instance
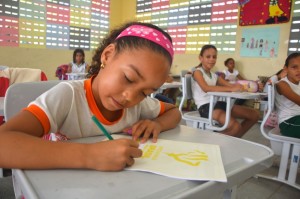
(144, 129)
(238, 88)
(113, 155)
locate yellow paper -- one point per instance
(183, 160)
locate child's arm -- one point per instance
(168, 120)
(69, 68)
(22, 147)
(240, 77)
(225, 86)
(284, 89)
(87, 68)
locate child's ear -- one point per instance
(108, 53)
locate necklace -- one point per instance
(208, 74)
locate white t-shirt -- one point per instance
(68, 108)
(231, 77)
(286, 108)
(78, 68)
(200, 97)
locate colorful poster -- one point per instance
(183, 160)
(260, 42)
(261, 12)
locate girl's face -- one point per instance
(79, 57)
(208, 59)
(129, 77)
(230, 64)
(293, 70)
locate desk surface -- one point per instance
(1, 106)
(239, 95)
(242, 159)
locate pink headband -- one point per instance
(149, 34)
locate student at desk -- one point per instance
(205, 81)
(130, 64)
(287, 98)
(78, 65)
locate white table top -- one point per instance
(242, 159)
(171, 85)
(1, 106)
(76, 74)
(239, 95)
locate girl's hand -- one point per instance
(238, 88)
(144, 128)
(112, 155)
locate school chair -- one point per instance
(192, 118)
(10, 76)
(61, 72)
(19, 95)
(283, 146)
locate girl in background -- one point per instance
(287, 98)
(205, 81)
(78, 65)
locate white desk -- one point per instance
(166, 86)
(229, 103)
(76, 76)
(242, 159)
(1, 106)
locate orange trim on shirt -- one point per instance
(93, 106)
(162, 108)
(41, 116)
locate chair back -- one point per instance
(186, 89)
(19, 95)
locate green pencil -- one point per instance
(101, 127)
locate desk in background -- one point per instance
(76, 76)
(166, 86)
(229, 98)
(242, 159)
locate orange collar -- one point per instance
(93, 106)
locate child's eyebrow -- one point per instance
(134, 68)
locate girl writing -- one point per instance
(287, 98)
(205, 81)
(131, 63)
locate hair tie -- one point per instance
(150, 34)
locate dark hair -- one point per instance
(227, 60)
(291, 56)
(127, 43)
(205, 47)
(78, 50)
(279, 72)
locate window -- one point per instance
(62, 24)
(294, 42)
(193, 23)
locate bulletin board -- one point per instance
(263, 12)
(260, 42)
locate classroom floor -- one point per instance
(253, 188)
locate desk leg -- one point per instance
(211, 105)
(230, 193)
(294, 164)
